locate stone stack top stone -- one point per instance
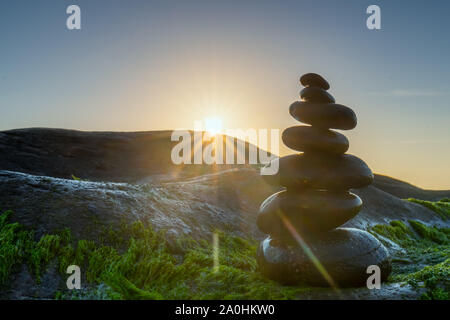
(314, 80)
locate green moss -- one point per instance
(396, 231)
(440, 236)
(12, 245)
(434, 279)
(41, 253)
(423, 260)
(137, 263)
(442, 207)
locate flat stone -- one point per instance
(329, 115)
(316, 95)
(311, 139)
(314, 80)
(343, 253)
(307, 211)
(320, 171)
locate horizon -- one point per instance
(204, 131)
(151, 66)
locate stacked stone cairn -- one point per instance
(305, 244)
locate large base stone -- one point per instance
(345, 253)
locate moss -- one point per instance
(440, 236)
(135, 262)
(424, 259)
(41, 253)
(12, 245)
(396, 231)
(442, 207)
(128, 290)
(435, 279)
(139, 264)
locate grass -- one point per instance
(436, 280)
(75, 178)
(441, 207)
(135, 262)
(12, 244)
(424, 261)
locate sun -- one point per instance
(213, 125)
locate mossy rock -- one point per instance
(135, 262)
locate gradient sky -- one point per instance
(149, 65)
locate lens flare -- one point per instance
(308, 252)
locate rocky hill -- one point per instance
(86, 182)
(130, 175)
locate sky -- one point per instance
(151, 65)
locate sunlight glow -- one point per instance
(213, 125)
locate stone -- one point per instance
(304, 246)
(330, 115)
(314, 80)
(320, 171)
(311, 139)
(316, 95)
(307, 212)
(344, 254)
